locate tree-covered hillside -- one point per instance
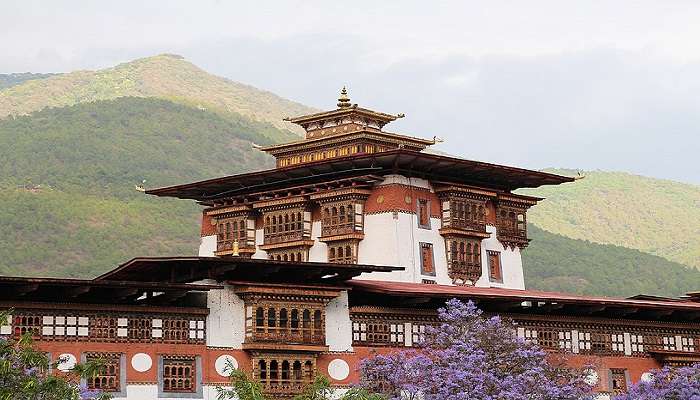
(164, 76)
(652, 215)
(557, 263)
(9, 80)
(68, 181)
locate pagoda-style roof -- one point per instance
(26, 289)
(348, 136)
(400, 161)
(192, 269)
(345, 108)
(305, 119)
(523, 301)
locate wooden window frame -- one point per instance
(498, 276)
(172, 361)
(423, 213)
(423, 271)
(115, 360)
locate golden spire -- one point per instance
(235, 248)
(344, 100)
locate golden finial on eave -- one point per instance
(344, 100)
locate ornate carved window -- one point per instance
(108, 378)
(423, 213)
(179, 374)
(235, 228)
(463, 259)
(284, 374)
(338, 219)
(283, 226)
(286, 322)
(467, 213)
(618, 381)
(495, 267)
(511, 223)
(293, 254)
(342, 252)
(427, 261)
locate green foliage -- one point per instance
(242, 386)
(9, 80)
(164, 76)
(67, 181)
(319, 389)
(557, 263)
(652, 215)
(24, 373)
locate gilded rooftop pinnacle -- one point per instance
(344, 100)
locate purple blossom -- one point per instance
(667, 384)
(469, 356)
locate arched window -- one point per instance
(283, 318)
(274, 377)
(294, 323)
(317, 321)
(271, 317)
(308, 371)
(340, 252)
(348, 252)
(296, 371)
(260, 319)
(285, 371)
(262, 367)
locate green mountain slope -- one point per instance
(163, 76)
(557, 263)
(67, 188)
(9, 80)
(652, 215)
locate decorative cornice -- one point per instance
(464, 232)
(295, 243)
(347, 236)
(330, 195)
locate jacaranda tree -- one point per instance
(472, 357)
(667, 384)
(25, 373)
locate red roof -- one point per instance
(444, 291)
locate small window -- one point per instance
(495, 268)
(618, 380)
(108, 378)
(423, 214)
(427, 264)
(179, 375)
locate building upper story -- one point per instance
(350, 192)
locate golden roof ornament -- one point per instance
(235, 248)
(344, 100)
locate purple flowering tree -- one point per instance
(667, 384)
(470, 356)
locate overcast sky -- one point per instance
(611, 85)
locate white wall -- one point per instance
(150, 392)
(393, 239)
(338, 324)
(226, 319)
(511, 263)
(207, 246)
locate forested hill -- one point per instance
(164, 76)
(655, 216)
(9, 80)
(67, 192)
(557, 263)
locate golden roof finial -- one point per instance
(344, 100)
